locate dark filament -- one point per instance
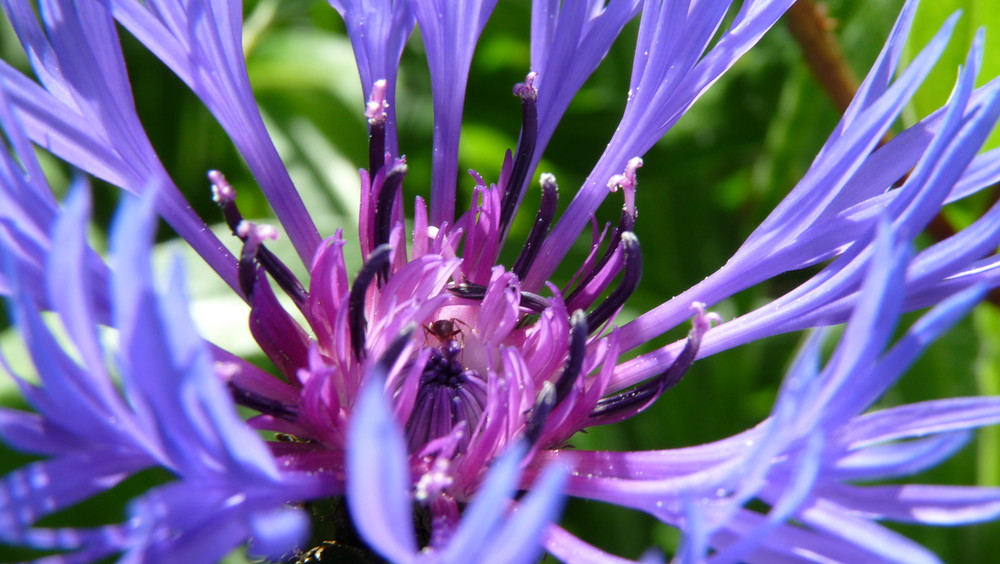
(525, 149)
(376, 145)
(625, 224)
(630, 281)
(577, 353)
(627, 403)
(385, 200)
(546, 211)
(472, 291)
(551, 395)
(263, 403)
(356, 299)
(253, 254)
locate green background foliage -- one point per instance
(702, 190)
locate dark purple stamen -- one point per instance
(630, 281)
(627, 403)
(625, 224)
(356, 299)
(533, 302)
(255, 253)
(282, 276)
(551, 395)
(449, 394)
(375, 111)
(395, 348)
(247, 268)
(577, 352)
(232, 214)
(471, 291)
(262, 403)
(546, 211)
(386, 199)
(376, 146)
(544, 404)
(280, 337)
(518, 180)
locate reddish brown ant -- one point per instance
(443, 329)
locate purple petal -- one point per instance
(797, 490)
(898, 459)
(671, 71)
(86, 115)
(568, 41)
(859, 532)
(883, 70)
(917, 503)
(798, 214)
(45, 487)
(796, 544)
(569, 548)
(919, 419)
(202, 44)
(71, 260)
(181, 523)
(70, 397)
(30, 432)
(859, 395)
(378, 31)
(450, 31)
(278, 530)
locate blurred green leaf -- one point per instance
(975, 14)
(987, 325)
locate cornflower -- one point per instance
(421, 393)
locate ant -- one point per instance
(444, 330)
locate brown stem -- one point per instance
(813, 29)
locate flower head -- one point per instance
(434, 380)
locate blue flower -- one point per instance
(438, 382)
(171, 411)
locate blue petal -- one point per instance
(520, 538)
(85, 113)
(671, 44)
(70, 262)
(204, 39)
(568, 41)
(45, 487)
(378, 477)
(898, 459)
(276, 531)
(482, 517)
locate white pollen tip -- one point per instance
(243, 229)
(222, 191)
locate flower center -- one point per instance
(519, 364)
(449, 396)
